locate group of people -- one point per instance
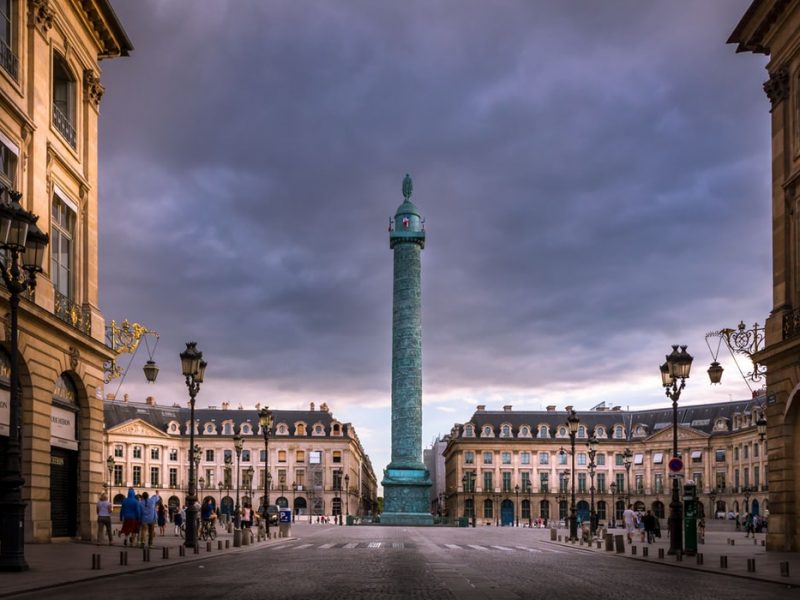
(140, 514)
(648, 525)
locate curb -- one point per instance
(192, 560)
(689, 567)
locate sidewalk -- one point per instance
(767, 564)
(53, 565)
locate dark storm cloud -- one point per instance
(594, 178)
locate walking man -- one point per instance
(629, 518)
(104, 519)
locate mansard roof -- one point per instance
(700, 417)
(160, 417)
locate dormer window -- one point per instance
(469, 431)
(487, 431)
(505, 431)
(300, 429)
(282, 429)
(246, 429)
(600, 432)
(227, 428)
(619, 432)
(524, 432)
(318, 429)
(209, 429)
(544, 431)
(336, 429)
(173, 427)
(581, 431)
(562, 432)
(720, 425)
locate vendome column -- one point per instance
(406, 481)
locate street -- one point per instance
(395, 562)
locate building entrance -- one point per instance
(63, 492)
(507, 513)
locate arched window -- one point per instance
(562, 432)
(487, 431)
(600, 432)
(64, 99)
(300, 429)
(544, 431)
(505, 431)
(524, 431)
(469, 508)
(581, 431)
(601, 510)
(619, 432)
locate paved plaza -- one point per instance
(327, 561)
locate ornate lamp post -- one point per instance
(202, 483)
(347, 494)
(110, 466)
(627, 460)
(23, 244)
(220, 486)
(677, 367)
(339, 493)
(193, 368)
(265, 420)
(572, 423)
(238, 443)
(592, 446)
(613, 487)
(516, 505)
(528, 494)
(712, 495)
(747, 499)
(469, 486)
(228, 481)
(762, 427)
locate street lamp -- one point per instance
(746, 499)
(613, 487)
(627, 460)
(238, 443)
(572, 423)
(110, 467)
(339, 493)
(762, 427)
(347, 495)
(516, 493)
(228, 481)
(528, 494)
(23, 244)
(193, 368)
(677, 367)
(265, 420)
(713, 497)
(592, 446)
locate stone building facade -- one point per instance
(50, 93)
(772, 27)
(317, 464)
(517, 464)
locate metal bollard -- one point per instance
(699, 558)
(751, 565)
(645, 551)
(196, 548)
(145, 554)
(123, 558)
(599, 544)
(227, 544)
(165, 552)
(661, 553)
(723, 562)
(559, 538)
(733, 542)
(219, 544)
(784, 564)
(609, 542)
(755, 542)
(208, 546)
(95, 562)
(679, 557)
(619, 542)
(181, 550)
(763, 542)
(633, 550)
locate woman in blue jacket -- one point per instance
(131, 516)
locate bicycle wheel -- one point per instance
(212, 533)
(182, 530)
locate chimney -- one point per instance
(125, 398)
(111, 397)
(225, 405)
(481, 408)
(551, 408)
(324, 407)
(507, 408)
(311, 407)
(150, 400)
(175, 405)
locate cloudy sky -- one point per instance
(594, 176)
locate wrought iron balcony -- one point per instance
(72, 314)
(791, 324)
(8, 60)
(64, 125)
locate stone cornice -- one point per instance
(754, 26)
(777, 86)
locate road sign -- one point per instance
(675, 464)
(286, 515)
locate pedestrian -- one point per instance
(177, 519)
(247, 513)
(104, 519)
(131, 515)
(748, 525)
(701, 530)
(149, 518)
(161, 516)
(629, 518)
(649, 523)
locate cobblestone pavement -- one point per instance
(330, 562)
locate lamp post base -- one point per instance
(12, 551)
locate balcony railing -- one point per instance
(71, 313)
(64, 125)
(791, 324)
(8, 60)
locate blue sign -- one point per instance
(675, 465)
(286, 516)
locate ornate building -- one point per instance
(504, 467)
(772, 27)
(50, 93)
(316, 463)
